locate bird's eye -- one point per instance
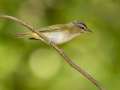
(80, 24)
(82, 27)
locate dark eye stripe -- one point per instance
(82, 25)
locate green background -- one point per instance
(32, 65)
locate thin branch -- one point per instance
(58, 49)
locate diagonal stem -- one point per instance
(58, 49)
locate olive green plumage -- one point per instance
(59, 33)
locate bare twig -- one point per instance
(58, 49)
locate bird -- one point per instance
(59, 33)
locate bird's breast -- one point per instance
(58, 37)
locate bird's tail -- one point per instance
(29, 35)
(24, 35)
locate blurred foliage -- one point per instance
(32, 65)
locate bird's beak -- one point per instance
(88, 30)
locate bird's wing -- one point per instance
(53, 28)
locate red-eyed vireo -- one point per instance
(59, 33)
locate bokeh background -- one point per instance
(32, 65)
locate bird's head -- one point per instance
(81, 26)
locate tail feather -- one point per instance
(23, 35)
(29, 35)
